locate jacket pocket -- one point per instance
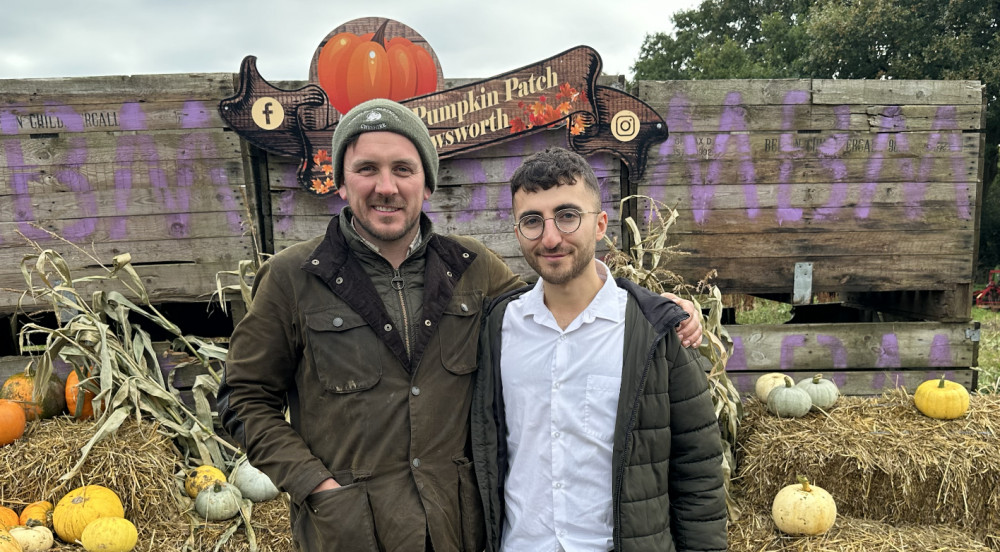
(339, 519)
(343, 350)
(470, 507)
(459, 333)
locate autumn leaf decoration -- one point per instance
(325, 163)
(542, 113)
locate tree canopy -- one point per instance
(843, 39)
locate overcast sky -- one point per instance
(68, 38)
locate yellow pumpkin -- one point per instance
(942, 399)
(8, 518)
(33, 539)
(803, 509)
(8, 543)
(37, 513)
(81, 506)
(766, 383)
(109, 535)
(202, 477)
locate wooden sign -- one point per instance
(351, 66)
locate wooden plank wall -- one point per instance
(861, 358)
(125, 164)
(472, 198)
(876, 183)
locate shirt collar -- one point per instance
(417, 240)
(604, 305)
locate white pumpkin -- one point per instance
(253, 483)
(764, 384)
(33, 539)
(218, 502)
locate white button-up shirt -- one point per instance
(560, 391)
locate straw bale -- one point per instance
(881, 459)
(755, 532)
(144, 468)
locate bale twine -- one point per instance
(881, 459)
(140, 464)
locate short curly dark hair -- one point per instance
(553, 167)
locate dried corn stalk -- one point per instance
(646, 264)
(116, 361)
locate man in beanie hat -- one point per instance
(367, 337)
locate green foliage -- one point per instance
(989, 349)
(765, 312)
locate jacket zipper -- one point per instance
(397, 284)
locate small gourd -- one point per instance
(762, 388)
(219, 502)
(803, 509)
(823, 392)
(33, 539)
(109, 535)
(8, 518)
(202, 477)
(941, 399)
(788, 401)
(79, 399)
(37, 513)
(253, 483)
(81, 506)
(8, 543)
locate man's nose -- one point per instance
(551, 235)
(385, 183)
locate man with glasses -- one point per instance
(593, 427)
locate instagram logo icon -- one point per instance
(625, 125)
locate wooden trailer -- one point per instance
(865, 191)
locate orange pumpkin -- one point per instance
(74, 394)
(12, 423)
(8, 518)
(38, 512)
(353, 69)
(20, 388)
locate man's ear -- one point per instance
(427, 193)
(342, 192)
(602, 225)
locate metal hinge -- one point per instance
(972, 334)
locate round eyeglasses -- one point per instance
(566, 220)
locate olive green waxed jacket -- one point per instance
(667, 482)
(388, 420)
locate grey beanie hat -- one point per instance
(387, 116)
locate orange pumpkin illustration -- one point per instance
(353, 69)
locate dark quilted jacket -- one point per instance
(667, 480)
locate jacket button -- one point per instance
(448, 273)
(415, 390)
(427, 323)
(315, 262)
(465, 308)
(465, 255)
(338, 322)
(339, 280)
(416, 462)
(387, 327)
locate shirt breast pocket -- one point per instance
(459, 333)
(342, 350)
(600, 406)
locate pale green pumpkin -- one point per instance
(788, 401)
